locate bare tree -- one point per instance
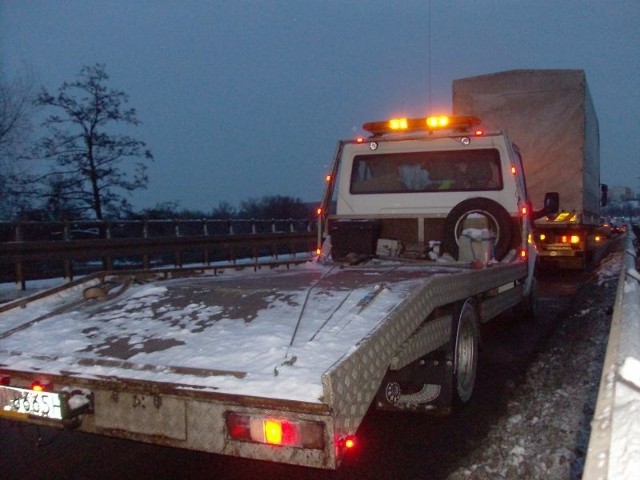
(16, 99)
(88, 157)
(275, 206)
(224, 210)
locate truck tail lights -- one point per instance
(275, 431)
(572, 239)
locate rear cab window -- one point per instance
(436, 171)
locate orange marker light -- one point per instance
(438, 122)
(319, 211)
(398, 124)
(39, 386)
(273, 432)
(328, 178)
(359, 139)
(513, 169)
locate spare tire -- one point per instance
(498, 219)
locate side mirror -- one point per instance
(551, 205)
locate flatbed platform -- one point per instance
(270, 333)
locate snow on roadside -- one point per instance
(545, 432)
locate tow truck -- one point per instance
(424, 234)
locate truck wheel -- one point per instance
(465, 352)
(498, 220)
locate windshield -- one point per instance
(456, 170)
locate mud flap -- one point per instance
(424, 386)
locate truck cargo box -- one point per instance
(550, 116)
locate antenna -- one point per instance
(429, 57)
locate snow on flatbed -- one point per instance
(267, 333)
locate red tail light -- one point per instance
(347, 442)
(275, 431)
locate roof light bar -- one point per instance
(407, 125)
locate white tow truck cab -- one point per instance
(416, 184)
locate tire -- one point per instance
(500, 224)
(465, 353)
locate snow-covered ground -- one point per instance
(546, 430)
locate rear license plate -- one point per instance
(23, 402)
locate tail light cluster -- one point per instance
(573, 239)
(275, 431)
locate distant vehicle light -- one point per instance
(513, 169)
(573, 239)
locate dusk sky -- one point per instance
(240, 99)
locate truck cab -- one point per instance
(417, 188)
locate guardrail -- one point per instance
(94, 229)
(30, 260)
(614, 443)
